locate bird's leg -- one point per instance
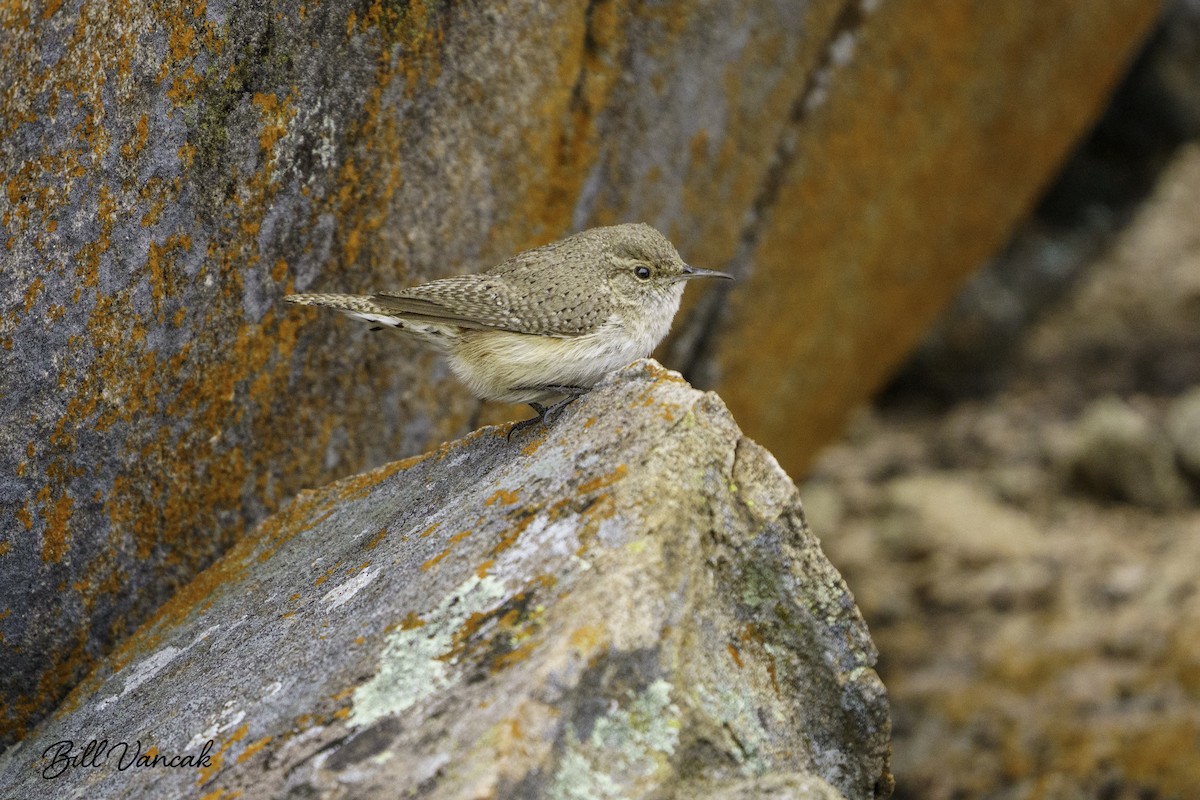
(528, 423)
(546, 415)
(572, 393)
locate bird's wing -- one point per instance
(486, 301)
(465, 301)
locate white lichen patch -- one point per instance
(615, 532)
(231, 716)
(626, 747)
(542, 539)
(411, 667)
(347, 589)
(151, 665)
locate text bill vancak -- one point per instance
(100, 753)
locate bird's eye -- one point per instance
(643, 273)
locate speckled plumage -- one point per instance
(562, 315)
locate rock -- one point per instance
(1037, 643)
(770, 787)
(948, 517)
(170, 170)
(892, 183)
(627, 604)
(1130, 327)
(1155, 109)
(1120, 455)
(1183, 428)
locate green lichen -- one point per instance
(738, 716)
(758, 584)
(411, 667)
(626, 746)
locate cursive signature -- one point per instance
(96, 753)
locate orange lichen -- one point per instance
(24, 515)
(206, 773)
(58, 517)
(276, 115)
(588, 638)
(141, 132)
(433, 562)
(359, 486)
(410, 621)
(734, 654)
(515, 621)
(376, 539)
(179, 41)
(502, 496)
(187, 154)
(603, 481)
(32, 292)
(505, 660)
(327, 574)
(221, 794)
(509, 538)
(751, 637)
(183, 87)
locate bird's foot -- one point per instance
(547, 415)
(528, 423)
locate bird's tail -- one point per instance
(359, 306)
(369, 309)
(349, 303)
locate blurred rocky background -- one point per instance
(1017, 514)
(170, 171)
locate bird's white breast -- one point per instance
(505, 366)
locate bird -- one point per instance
(545, 325)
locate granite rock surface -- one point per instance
(628, 604)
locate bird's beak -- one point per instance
(696, 272)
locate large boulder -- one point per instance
(926, 131)
(626, 605)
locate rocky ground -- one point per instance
(1028, 559)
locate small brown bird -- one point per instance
(546, 324)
